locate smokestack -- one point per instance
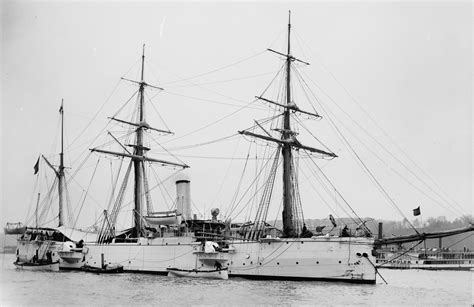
(183, 198)
(380, 230)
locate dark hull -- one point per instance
(96, 270)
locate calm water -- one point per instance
(425, 288)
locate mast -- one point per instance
(138, 156)
(60, 173)
(287, 213)
(288, 142)
(138, 151)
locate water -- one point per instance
(410, 287)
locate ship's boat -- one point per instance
(43, 260)
(163, 218)
(14, 229)
(199, 273)
(106, 269)
(37, 266)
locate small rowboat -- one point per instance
(37, 266)
(211, 274)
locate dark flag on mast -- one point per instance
(61, 108)
(36, 167)
(416, 211)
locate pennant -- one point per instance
(36, 167)
(61, 108)
(416, 211)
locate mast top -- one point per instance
(289, 29)
(143, 63)
(61, 108)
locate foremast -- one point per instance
(138, 156)
(288, 143)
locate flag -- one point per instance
(333, 221)
(61, 108)
(36, 167)
(416, 211)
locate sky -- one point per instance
(399, 70)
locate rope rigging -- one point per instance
(438, 189)
(391, 154)
(358, 158)
(214, 70)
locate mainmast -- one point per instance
(287, 213)
(138, 151)
(288, 142)
(60, 173)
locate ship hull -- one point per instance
(318, 258)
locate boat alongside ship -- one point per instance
(63, 243)
(434, 259)
(392, 254)
(37, 266)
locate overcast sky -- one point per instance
(407, 64)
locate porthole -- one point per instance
(317, 262)
(296, 262)
(278, 263)
(339, 261)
